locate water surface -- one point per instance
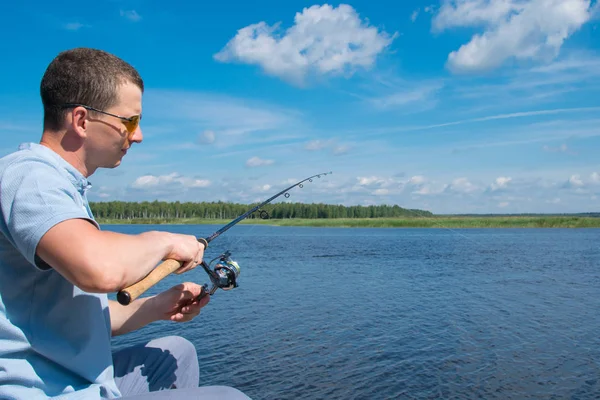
(398, 313)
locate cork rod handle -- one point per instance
(167, 267)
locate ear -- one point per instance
(79, 121)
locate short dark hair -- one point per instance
(83, 76)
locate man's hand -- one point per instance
(178, 304)
(187, 249)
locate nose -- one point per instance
(137, 136)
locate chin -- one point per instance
(112, 165)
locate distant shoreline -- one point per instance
(503, 221)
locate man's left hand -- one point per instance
(180, 303)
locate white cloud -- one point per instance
(336, 149)
(574, 182)
(563, 148)
(369, 180)
(417, 180)
(341, 149)
(461, 185)
(262, 188)
(524, 114)
(424, 93)
(513, 29)
(323, 40)
(441, 194)
(207, 137)
(314, 145)
(174, 179)
(258, 162)
(500, 183)
(232, 120)
(415, 14)
(75, 26)
(131, 15)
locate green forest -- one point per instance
(119, 210)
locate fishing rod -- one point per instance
(225, 272)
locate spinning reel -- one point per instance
(223, 275)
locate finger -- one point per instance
(188, 266)
(195, 307)
(193, 289)
(187, 291)
(179, 317)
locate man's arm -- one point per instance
(124, 319)
(101, 261)
(181, 303)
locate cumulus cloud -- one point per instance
(131, 15)
(574, 182)
(207, 137)
(417, 180)
(258, 162)
(370, 180)
(171, 180)
(323, 40)
(461, 185)
(512, 29)
(500, 183)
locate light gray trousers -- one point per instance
(165, 368)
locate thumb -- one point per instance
(189, 290)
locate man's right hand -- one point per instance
(187, 249)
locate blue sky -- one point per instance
(464, 106)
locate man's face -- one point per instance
(108, 138)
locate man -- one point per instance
(57, 266)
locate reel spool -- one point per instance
(223, 276)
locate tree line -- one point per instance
(223, 210)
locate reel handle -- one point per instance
(127, 295)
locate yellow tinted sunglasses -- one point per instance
(131, 123)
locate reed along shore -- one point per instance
(417, 222)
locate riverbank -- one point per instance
(425, 222)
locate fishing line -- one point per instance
(263, 214)
(226, 270)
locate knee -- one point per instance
(180, 348)
(181, 345)
(185, 358)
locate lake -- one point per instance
(397, 313)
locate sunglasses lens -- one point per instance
(132, 124)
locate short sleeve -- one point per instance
(35, 196)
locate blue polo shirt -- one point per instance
(54, 337)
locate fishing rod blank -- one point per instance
(224, 274)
